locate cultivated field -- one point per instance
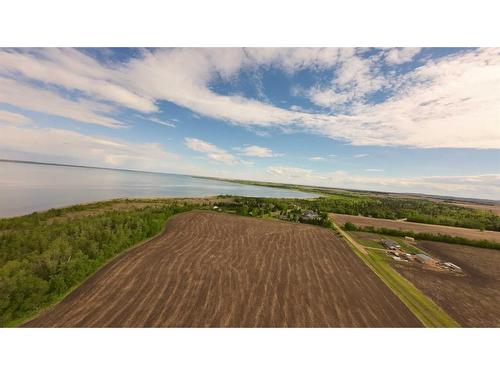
(473, 234)
(219, 270)
(473, 300)
(495, 208)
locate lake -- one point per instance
(29, 187)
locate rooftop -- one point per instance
(389, 243)
(423, 257)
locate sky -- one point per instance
(423, 120)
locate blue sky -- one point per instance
(402, 119)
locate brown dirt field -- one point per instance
(473, 234)
(495, 208)
(220, 270)
(473, 300)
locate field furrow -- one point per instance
(218, 270)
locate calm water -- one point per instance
(25, 188)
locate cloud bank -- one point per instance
(453, 101)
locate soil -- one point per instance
(471, 298)
(473, 234)
(219, 270)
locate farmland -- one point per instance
(472, 234)
(219, 270)
(473, 299)
(416, 209)
(427, 311)
(495, 208)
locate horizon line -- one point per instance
(243, 181)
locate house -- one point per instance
(409, 238)
(425, 259)
(389, 244)
(309, 215)
(216, 207)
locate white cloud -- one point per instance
(358, 156)
(317, 158)
(67, 146)
(211, 151)
(287, 173)
(71, 69)
(452, 101)
(485, 186)
(257, 151)
(159, 121)
(13, 118)
(460, 93)
(401, 55)
(355, 77)
(40, 100)
(373, 170)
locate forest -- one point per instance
(43, 256)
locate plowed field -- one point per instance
(219, 270)
(473, 299)
(362, 221)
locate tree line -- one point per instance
(413, 210)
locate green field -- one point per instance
(405, 246)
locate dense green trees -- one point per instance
(285, 209)
(42, 256)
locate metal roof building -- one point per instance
(390, 244)
(425, 259)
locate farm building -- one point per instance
(425, 259)
(394, 252)
(309, 215)
(389, 244)
(452, 266)
(409, 238)
(407, 256)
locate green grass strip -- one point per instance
(428, 312)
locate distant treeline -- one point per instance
(42, 256)
(424, 236)
(284, 209)
(414, 210)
